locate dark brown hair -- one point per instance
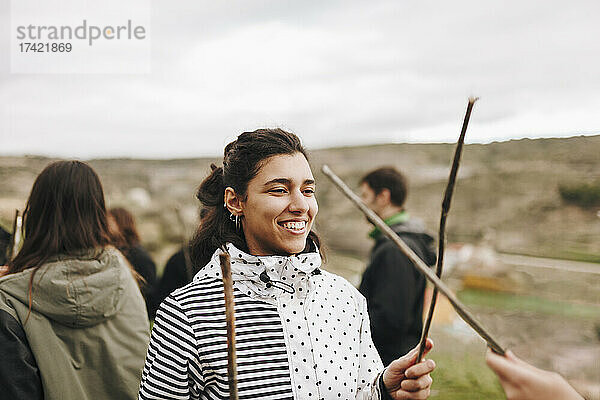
(388, 178)
(243, 159)
(126, 223)
(65, 214)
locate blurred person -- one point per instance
(135, 253)
(393, 287)
(72, 320)
(522, 381)
(177, 273)
(300, 331)
(174, 276)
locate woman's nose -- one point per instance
(298, 202)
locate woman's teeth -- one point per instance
(295, 226)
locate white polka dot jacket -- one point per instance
(301, 333)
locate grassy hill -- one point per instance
(506, 194)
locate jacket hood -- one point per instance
(76, 291)
(266, 277)
(414, 230)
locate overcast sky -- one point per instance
(334, 72)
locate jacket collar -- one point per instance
(398, 218)
(266, 277)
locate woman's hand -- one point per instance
(405, 380)
(522, 381)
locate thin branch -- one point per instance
(230, 318)
(15, 243)
(442, 231)
(460, 308)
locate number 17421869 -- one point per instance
(40, 47)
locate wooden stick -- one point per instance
(442, 231)
(417, 262)
(230, 318)
(15, 243)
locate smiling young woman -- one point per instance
(301, 332)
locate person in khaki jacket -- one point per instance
(73, 323)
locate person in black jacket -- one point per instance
(393, 287)
(175, 275)
(137, 256)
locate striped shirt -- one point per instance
(303, 334)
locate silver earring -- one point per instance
(237, 220)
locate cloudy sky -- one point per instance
(334, 72)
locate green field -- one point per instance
(461, 377)
(530, 304)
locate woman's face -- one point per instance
(280, 206)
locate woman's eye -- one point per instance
(309, 191)
(277, 190)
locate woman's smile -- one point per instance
(294, 227)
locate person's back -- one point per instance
(175, 275)
(86, 329)
(142, 263)
(394, 290)
(72, 320)
(136, 254)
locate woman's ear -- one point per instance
(233, 202)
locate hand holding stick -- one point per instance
(230, 318)
(418, 263)
(522, 381)
(442, 230)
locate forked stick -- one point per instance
(230, 318)
(442, 231)
(418, 263)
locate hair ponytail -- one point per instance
(211, 190)
(216, 229)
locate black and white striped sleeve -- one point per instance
(172, 370)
